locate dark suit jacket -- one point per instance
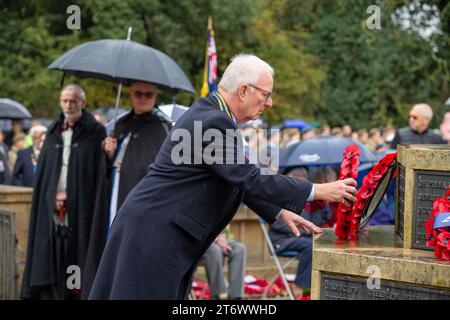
(23, 169)
(177, 210)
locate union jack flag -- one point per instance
(210, 72)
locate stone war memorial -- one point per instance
(391, 262)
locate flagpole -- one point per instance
(205, 89)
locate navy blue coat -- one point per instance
(176, 211)
(23, 174)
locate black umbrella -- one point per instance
(10, 109)
(123, 61)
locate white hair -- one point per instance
(425, 110)
(78, 90)
(37, 129)
(243, 68)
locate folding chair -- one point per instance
(292, 255)
(191, 295)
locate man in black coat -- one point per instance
(418, 131)
(26, 163)
(139, 135)
(67, 221)
(193, 190)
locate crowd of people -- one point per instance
(378, 140)
(23, 146)
(82, 177)
(323, 214)
(19, 151)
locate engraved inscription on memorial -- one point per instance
(334, 287)
(401, 199)
(7, 255)
(427, 186)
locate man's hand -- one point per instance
(293, 220)
(342, 191)
(110, 146)
(61, 197)
(222, 242)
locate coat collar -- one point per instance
(147, 116)
(420, 133)
(219, 102)
(87, 122)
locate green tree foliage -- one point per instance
(176, 27)
(372, 76)
(298, 75)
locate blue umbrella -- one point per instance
(321, 151)
(296, 123)
(385, 152)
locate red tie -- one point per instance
(66, 126)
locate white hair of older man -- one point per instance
(243, 69)
(37, 130)
(425, 110)
(78, 90)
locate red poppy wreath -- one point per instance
(365, 193)
(349, 169)
(438, 234)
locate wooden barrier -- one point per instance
(18, 200)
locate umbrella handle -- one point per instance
(130, 29)
(62, 79)
(116, 108)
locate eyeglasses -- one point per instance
(414, 117)
(267, 94)
(148, 95)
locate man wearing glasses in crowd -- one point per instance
(135, 142)
(418, 131)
